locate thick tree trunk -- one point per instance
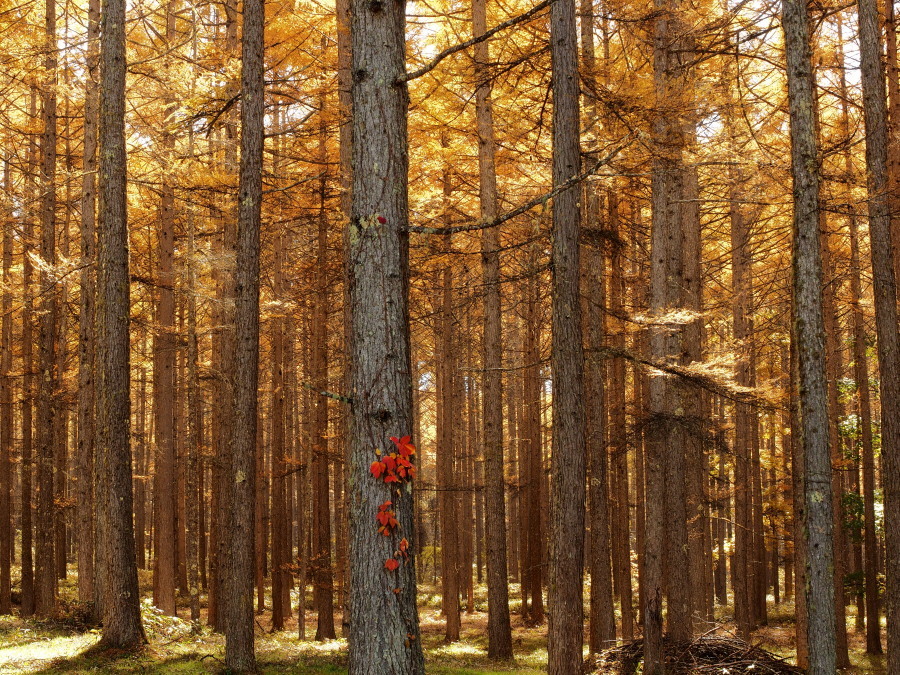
(164, 346)
(809, 322)
(381, 386)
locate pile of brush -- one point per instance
(705, 655)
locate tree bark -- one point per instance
(809, 326)
(239, 624)
(120, 596)
(48, 382)
(381, 387)
(499, 630)
(567, 510)
(885, 291)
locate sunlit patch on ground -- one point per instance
(41, 652)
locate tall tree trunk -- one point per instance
(84, 457)
(447, 450)
(381, 386)
(809, 322)
(280, 539)
(121, 599)
(194, 496)
(164, 346)
(48, 383)
(885, 291)
(6, 402)
(239, 625)
(567, 517)
(499, 630)
(28, 388)
(323, 575)
(602, 613)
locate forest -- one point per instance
(395, 337)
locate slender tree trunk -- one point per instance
(194, 497)
(239, 624)
(164, 346)
(323, 595)
(121, 600)
(84, 458)
(6, 402)
(809, 323)
(567, 517)
(499, 630)
(885, 291)
(48, 383)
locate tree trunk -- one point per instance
(121, 600)
(885, 291)
(84, 458)
(381, 386)
(239, 624)
(6, 402)
(48, 382)
(567, 511)
(499, 630)
(809, 322)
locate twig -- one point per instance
(509, 23)
(329, 394)
(527, 206)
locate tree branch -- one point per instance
(527, 206)
(509, 23)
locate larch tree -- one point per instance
(383, 593)
(239, 621)
(567, 508)
(118, 581)
(499, 631)
(885, 294)
(810, 340)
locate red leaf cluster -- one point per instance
(397, 466)
(386, 518)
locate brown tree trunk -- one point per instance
(48, 382)
(118, 580)
(323, 573)
(567, 511)
(499, 629)
(885, 292)
(809, 323)
(84, 455)
(164, 346)
(381, 386)
(239, 625)
(6, 402)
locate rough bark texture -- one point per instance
(84, 454)
(567, 509)
(241, 480)
(119, 586)
(381, 386)
(48, 383)
(810, 337)
(499, 630)
(885, 291)
(6, 416)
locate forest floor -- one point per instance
(65, 645)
